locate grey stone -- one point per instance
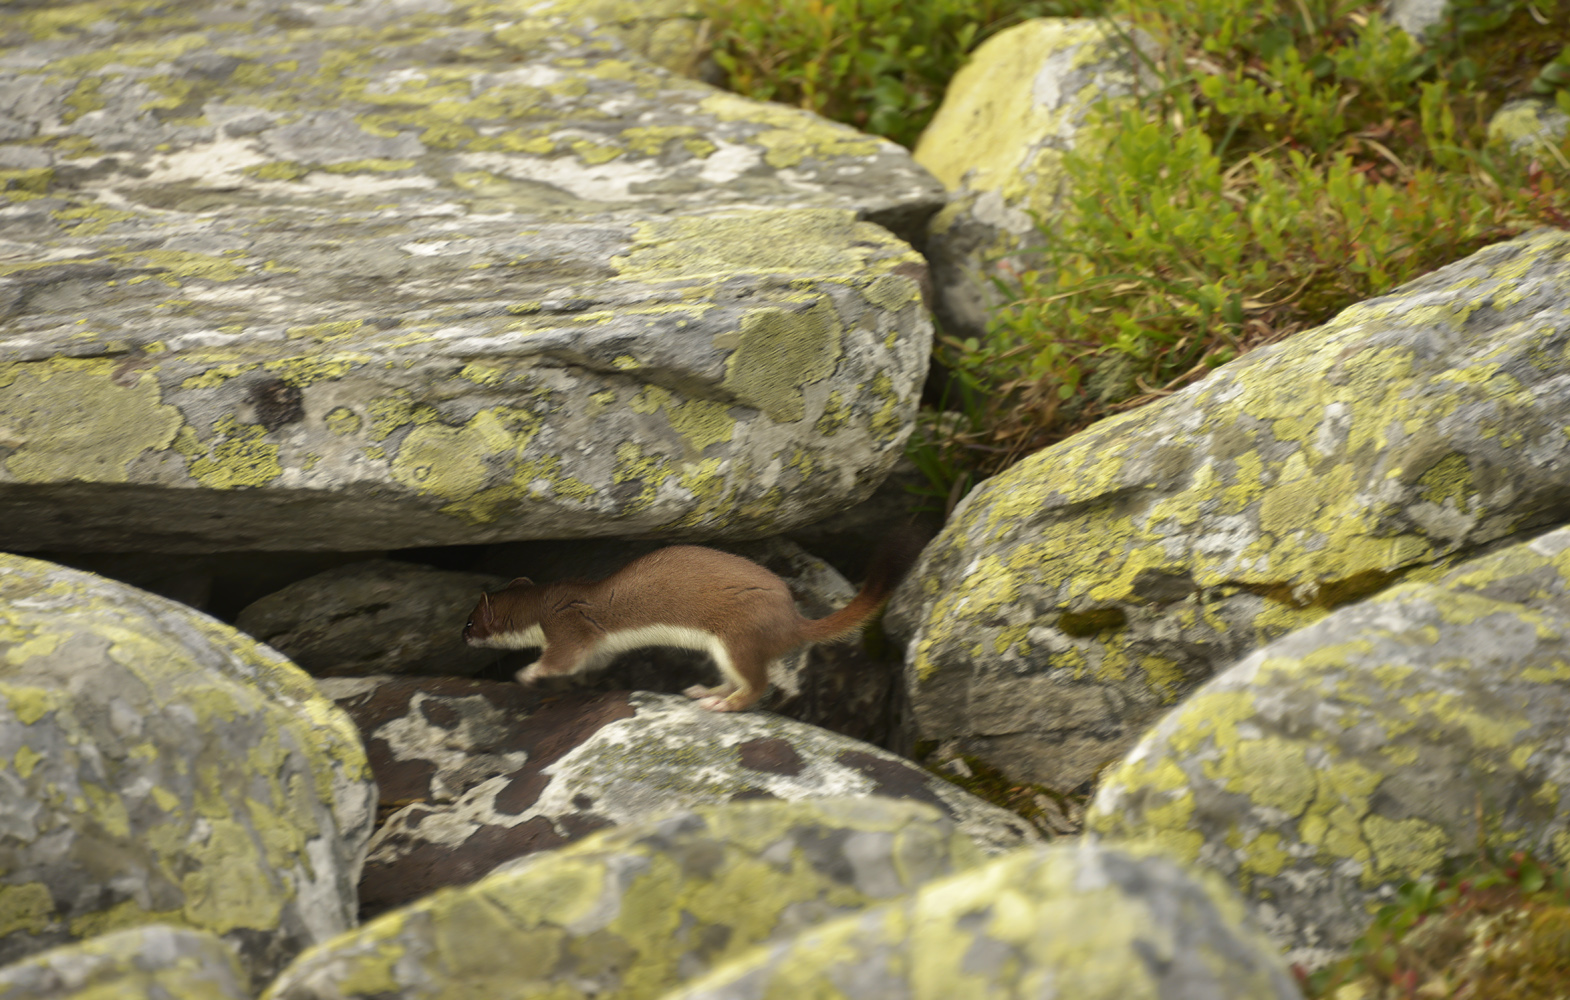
(1375, 747)
(479, 772)
(1417, 17)
(1529, 125)
(374, 617)
(1077, 596)
(1074, 920)
(155, 962)
(997, 143)
(163, 767)
(633, 912)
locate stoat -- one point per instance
(685, 595)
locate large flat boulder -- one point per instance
(317, 277)
(1075, 597)
(480, 772)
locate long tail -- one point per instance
(893, 560)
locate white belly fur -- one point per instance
(532, 637)
(662, 635)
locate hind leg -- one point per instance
(727, 684)
(698, 691)
(745, 676)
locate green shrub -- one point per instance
(1499, 929)
(1298, 156)
(880, 65)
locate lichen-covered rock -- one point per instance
(485, 772)
(1065, 921)
(374, 617)
(1333, 765)
(668, 33)
(155, 962)
(628, 914)
(1417, 17)
(316, 276)
(1076, 596)
(1529, 125)
(997, 143)
(161, 767)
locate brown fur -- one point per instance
(685, 595)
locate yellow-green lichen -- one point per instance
(78, 420)
(700, 422)
(342, 421)
(815, 240)
(303, 371)
(390, 413)
(278, 170)
(634, 466)
(886, 422)
(325, 333)
(237, 457)
(27, 908)
(836, 414)
(557, 935)
(780, 352)
(892, 292)
(455, 463)
(373, 165)
(25, 760)
(1448, 479)
(650, 140)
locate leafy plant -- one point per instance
(881, 65)
(1498, 930)
(1297, 156)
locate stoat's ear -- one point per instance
(519, 581)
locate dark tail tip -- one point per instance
(895, 556)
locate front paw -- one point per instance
(529, 674)
(723, 703)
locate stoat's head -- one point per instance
(507, 619)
